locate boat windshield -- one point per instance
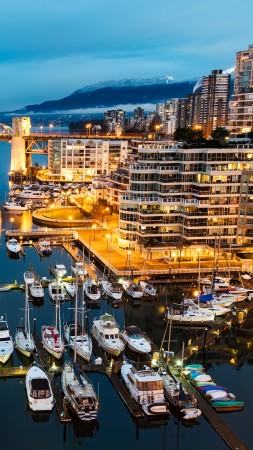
(150, 385)
(40, 388)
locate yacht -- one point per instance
(15, 206)
(59, 270)
(187, 315)
(36, 290)
(52, 341)
(29, 277)
(79, 270)
(6, 341)
(146, 388)
(38, 389)
(111, 289)
(132, 289)
(135, 339)
(32, 195)
(56, 291)
(82, 341)
(148, 288)
(13, 248)
(106, 332)
(217, 310)
(70, 287)
(44, 247)
(92, 291)
(79, 393)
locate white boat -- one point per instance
(211, 309)
(32, 195)
(52, 341)
(15, 206)
(56, 291)
(38, 389)
(36, 290)
(79, 270)
(70, 287)
(6, 341)
(44, 247)
(91, 290)
(135, 339)
(13, 247)
(228, 297)
(23, 338)
(106, 332)
(59, 270)
(186, 315)
(29, 277)
(148, 288)
(146, 388)
(82, 341)
(132, 289)
(113, 290)
(79, 393)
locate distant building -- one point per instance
(241, 108)
(114, 120)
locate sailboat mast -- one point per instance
(76, 299)
(27, 325)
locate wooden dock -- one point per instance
(6, 372)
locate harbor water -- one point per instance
(229, 360)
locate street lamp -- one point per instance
(11, 220)
(50, 126)
(94, 228)
(88, 126)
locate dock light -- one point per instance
(196, 293)
(21, 368)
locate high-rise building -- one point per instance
(214, 101)
(114, 118)
(241, 110)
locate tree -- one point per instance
(220, 134)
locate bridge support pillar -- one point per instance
(20, 127)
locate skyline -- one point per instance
(52, 49)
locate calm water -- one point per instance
(115, 428)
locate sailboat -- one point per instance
(75, 335)
(51, 335)
(77, 388)
(110, 288)
(23, 338)
(131, 287)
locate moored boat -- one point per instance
(135, 339)
(52, 341)
(38, 389)
(15, 206)
(132, 288)
(111, 289)
(6, 341)
(56, 291)
(186, 315)
(76, 338)
(148, 288)
(106, 332)
(44, 247)
(37, 290)
(13, 247)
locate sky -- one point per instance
(50, 48)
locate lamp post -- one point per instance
(88, 126)
(94, 229)
(107, 242)
(50, 126)
(11, 220)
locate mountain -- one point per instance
(113, 93)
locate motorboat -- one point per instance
(75, 337)
(230, 297)
(52, 341)
(70, 287)
(111, 289)
(59, 270)
(181, 400)
(37, 290)
(44, 247)
(148, 288)
(135, 339)
(32, 195)
(187, 315)
(6, 341)
(23, 338)
(79, 393)
(16, 206)
(132, 288)
(38, 389)
(106, 332)
(29, 277)
(207, 308)
(79, 270)
(56, 291)
(13, 247)
(92, 290)
(146, 388)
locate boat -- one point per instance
(218, 396)
(112, 290)
(70, 287)
(44, 247)
(132, 288)
(210, 309)
(79, 270)
(135, 339)
(52, 341)
(37, 290)
(56, 291)
(13, 247)
(186, 315)
(32, 195)
(38, 389)
(59, 270)
(23, 338)
(6, 341)
(106, 332)
(79, 393)
(15, 206)
(78, 390)
(80, 339)
(92, 291)
(148, 288)
(29, 277)
(146, 388)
